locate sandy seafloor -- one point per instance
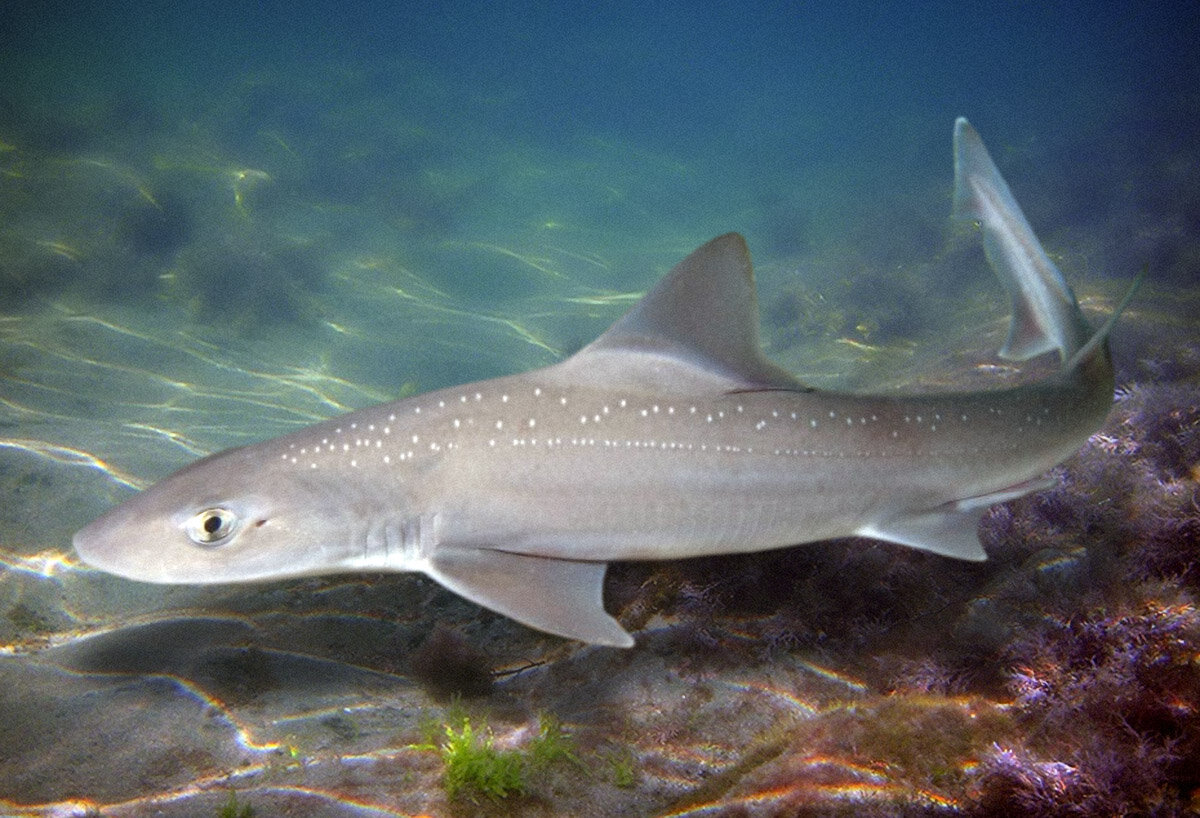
(262, 232)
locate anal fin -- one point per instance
(563, 597)
(950, 529)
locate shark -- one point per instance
(669, 436)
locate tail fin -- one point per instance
(1045, 315)
(1101, 335)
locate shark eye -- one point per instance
(212, 526)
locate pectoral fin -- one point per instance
(562, 597)
(950, 529)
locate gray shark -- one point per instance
(669, 436)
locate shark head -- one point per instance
(214, 521)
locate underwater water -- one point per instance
(222, 224)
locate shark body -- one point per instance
(670, 436)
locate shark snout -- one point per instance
(90, 544)
(107, 544)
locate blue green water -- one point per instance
(222, 222)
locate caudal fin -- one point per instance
(1045, 315)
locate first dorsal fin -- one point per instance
(703, 315)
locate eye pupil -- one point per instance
(212, 526)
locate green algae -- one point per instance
(931, 740)
(476, 768)
(232, 809)
(623, 767)
(27, 620)
(551, 744)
